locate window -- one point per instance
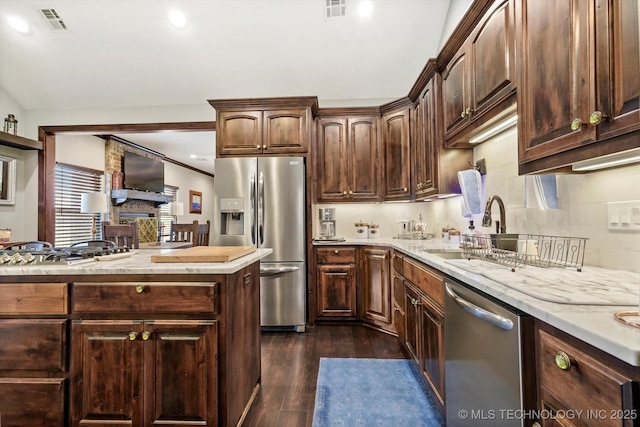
(165, 216)
(71, 181)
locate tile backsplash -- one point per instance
(582, 209)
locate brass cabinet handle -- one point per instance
(335, 251)
(596, 118)
(536, 424)
(576, 124)
(264, 145)
(350, 192)
(133, 336)
(344, 193)
(563, 361)
(463, 114)
(146, 335)
(258, 146)
(140, 289)
(469, 110)
(405, 189)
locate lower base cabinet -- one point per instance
(32, 402)
(376, 306)
(144, 373)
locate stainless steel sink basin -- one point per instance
(445, 254)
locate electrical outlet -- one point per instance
(623, 216)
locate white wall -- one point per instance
(185, 180)
(457, 9)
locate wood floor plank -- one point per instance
(290, 362)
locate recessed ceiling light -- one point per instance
(193, 156)
(365, 8)
(18, 24)
(177, 18)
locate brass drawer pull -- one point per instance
(576, 124)
(146, 335)
(139, 289)
(563, 361)
(596, 118)
(133, 336)
(335, 251)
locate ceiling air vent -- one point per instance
(335, 8)
(53, 19)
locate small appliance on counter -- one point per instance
(362, 230)
(327, 226)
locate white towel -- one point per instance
(471, 186)
(541, 192)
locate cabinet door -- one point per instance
(285, 131)
(362, 158)
(491, 58)
(106, 373)
(425, 143)
(336, 290)
(556, 80)
(412, 317)
(180, 363)
(397, 155)
(376, 290)
(618, 66)
(239, 132)
(456, 106)
(32, 402)
(432, 347)
(332, 159)
(399, 312)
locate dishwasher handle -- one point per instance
(268, 271)
(480, 313)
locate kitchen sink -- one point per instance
(445, 254)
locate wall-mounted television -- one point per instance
(143, 173)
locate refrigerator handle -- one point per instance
(252, 209)
(260, 209)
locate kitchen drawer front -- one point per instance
(588, 384)
(33, 299)
(32, 402)
(429, 282)
(145, 297)
(33, 344)
(336, 255)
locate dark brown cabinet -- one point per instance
(431, 346)
(336, 282)
(478, 83)
(347, 158)
(424, 128)
(396, 138)
(376, 287)
(580, 99)
(574, 377)
(33, 358)
(272, 126)
(126, 371)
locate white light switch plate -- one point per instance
(623, 216)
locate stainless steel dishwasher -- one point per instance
(487, 370)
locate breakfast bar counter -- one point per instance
(127, 341)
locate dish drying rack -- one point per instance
(520, 250)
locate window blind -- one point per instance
(165, 216)
(71, 181)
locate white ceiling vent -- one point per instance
(53, 19)
(335, 8)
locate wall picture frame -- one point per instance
(195, 202)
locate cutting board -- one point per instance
(204, 254)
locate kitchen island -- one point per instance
(129, 342)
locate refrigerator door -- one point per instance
(283, 295)
(235, 194)
(281, 208)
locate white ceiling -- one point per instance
(125, 53)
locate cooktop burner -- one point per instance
(84, 250)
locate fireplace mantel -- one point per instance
(121, 196)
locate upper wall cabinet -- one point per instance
(579, 81)
(347, 155)
(397, 150)
(478, 83)
(264, 126)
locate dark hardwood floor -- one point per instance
(290, 368)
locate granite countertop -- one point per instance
(589, 298)
(138, 263)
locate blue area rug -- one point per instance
(372, 392)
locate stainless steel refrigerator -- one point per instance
(261, 201)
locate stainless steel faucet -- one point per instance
(501, 225)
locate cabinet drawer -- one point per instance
(429, 282)
(32, 402)
(33, 344)
(33, 298)
(336, 255)
(145, 297)
(587, 384)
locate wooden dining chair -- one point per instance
(184, 232)
(121, 234)
(202, 239)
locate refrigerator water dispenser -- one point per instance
(232, 216)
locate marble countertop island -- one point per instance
(582, 304)
(139, 262)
